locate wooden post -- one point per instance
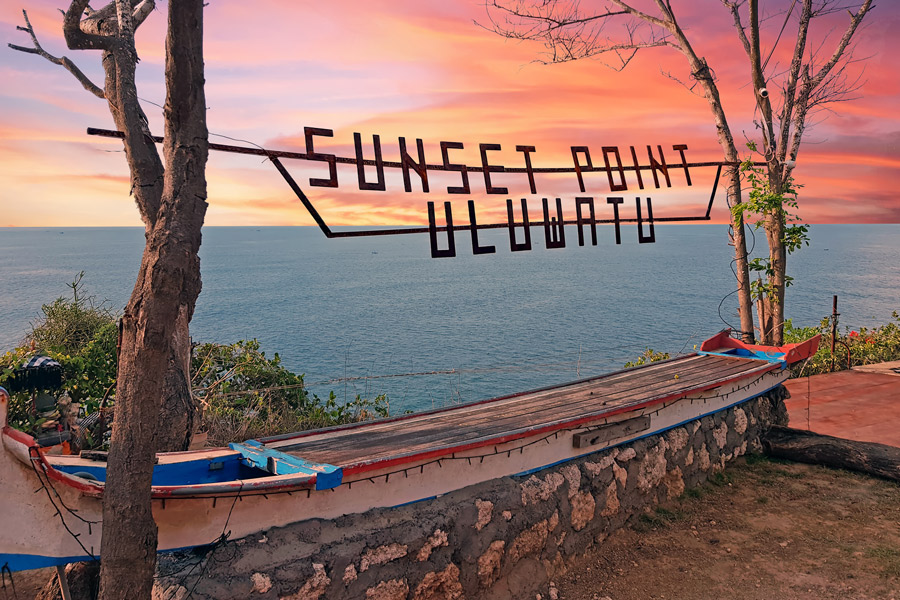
(761, 313)
(63, 582)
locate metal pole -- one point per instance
(834, 316)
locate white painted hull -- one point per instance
(47, 522)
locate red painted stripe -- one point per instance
(19, 436)
(366, 466)
(249, 487)
(255, 487)
(348, 427)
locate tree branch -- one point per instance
(569, 34)
(642, 15)
(759, 84)
(855, 20)
(62, 61)
(734, 7)
(76, 38)
(787, 111)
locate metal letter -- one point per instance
(579, 166)
(681, 148)
(581, 221)
(616, 202)
(658, 165)
(464, 189)
(614, 187)
(637, 168)
(361, 166)
(555, 230)
(527, 150)
(486, 169)
(645, 239)
(407, 162)
(308, 133)
(473, 226)
(450, 252)
(513, 245)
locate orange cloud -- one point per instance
(424, 70)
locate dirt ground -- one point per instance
(761, 530)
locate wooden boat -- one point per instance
(51, 504)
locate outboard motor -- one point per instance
(42, 375)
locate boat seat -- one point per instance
(255, 454)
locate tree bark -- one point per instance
(178, 412)
(701, 72)
(809, 447)
(161, 304)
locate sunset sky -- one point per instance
(424, 69)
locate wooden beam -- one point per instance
(614, 431)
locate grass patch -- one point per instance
(721, 478)
(659, 518)
(695, 492)
(757, 459)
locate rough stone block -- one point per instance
(394, 589)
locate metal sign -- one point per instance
(653, 169)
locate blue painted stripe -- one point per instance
(27, 562)
(278, 463)
(769, 357)
(413, 502)
(655, 432)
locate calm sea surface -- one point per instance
(357, 310)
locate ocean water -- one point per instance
(358, 316)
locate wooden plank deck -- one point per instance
(465, 424)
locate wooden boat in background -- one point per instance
(51, 504)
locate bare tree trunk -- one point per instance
(161, 304)
(778, 260)
(742, 272)
(817, 449)
(176, 421)
(178, 414)
(701, 72)
(178, 411)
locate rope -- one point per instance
(221, 541)
(47, 486)
(4, 571)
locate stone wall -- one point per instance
(504, 539)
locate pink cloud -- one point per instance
(424, 70)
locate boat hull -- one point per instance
(54, 521)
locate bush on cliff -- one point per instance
(243, 393)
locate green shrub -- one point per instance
(246, 395)
(865, 346)
(243, 393)
(80, 334)
(69, 324)
(650, 355)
